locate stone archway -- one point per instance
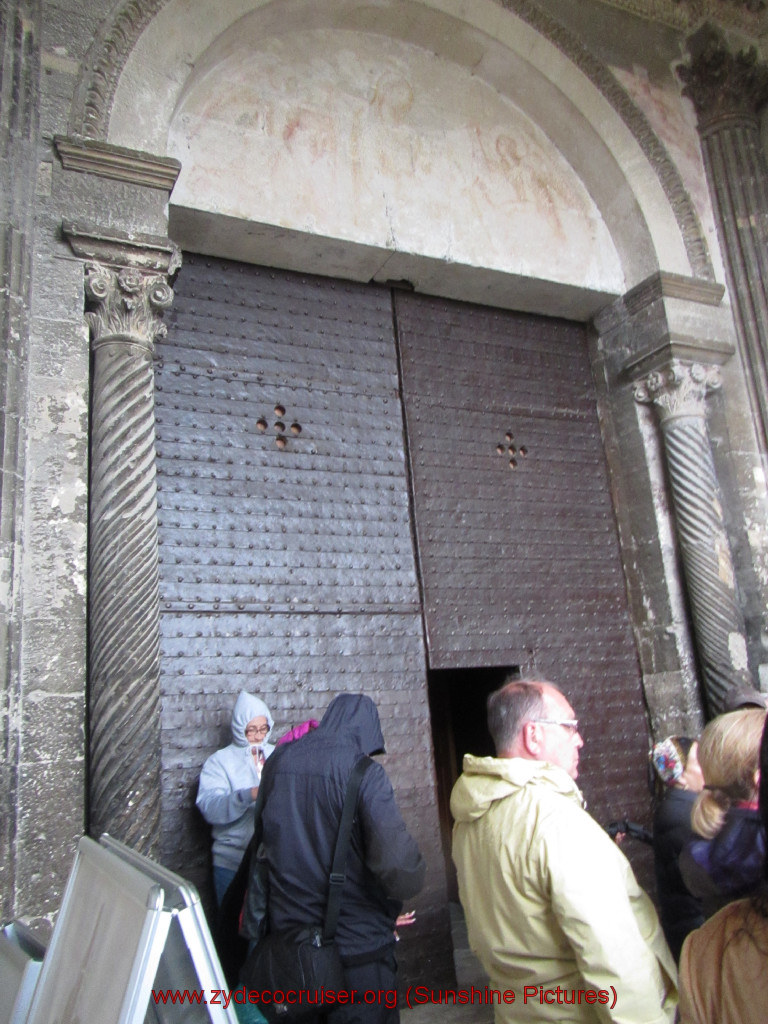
(593, 174)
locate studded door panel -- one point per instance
(517, 541)
(287, 562)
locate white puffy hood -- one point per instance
(246, 708)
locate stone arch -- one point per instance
(139, 69)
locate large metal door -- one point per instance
(287, 517)
(518, 548)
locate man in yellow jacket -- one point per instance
(553, 909)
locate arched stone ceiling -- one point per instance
(596, 168)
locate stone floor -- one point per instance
(469, 974)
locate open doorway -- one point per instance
(457, 699)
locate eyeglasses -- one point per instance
(571, 724)
(257, 730)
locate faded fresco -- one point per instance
(674, 121)
(364, 138)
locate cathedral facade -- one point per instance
(380, 346)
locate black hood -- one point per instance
(355, 716)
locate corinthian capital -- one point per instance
(720, 84)
(127, 303)
(678, 390)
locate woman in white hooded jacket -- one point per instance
(229, 784)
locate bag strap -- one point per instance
(338, 868)
(258, 807)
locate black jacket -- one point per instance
(303, 797)
(680, 911)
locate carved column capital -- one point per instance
(126, 304)
(722, 86)
(680, 389)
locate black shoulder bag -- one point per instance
(295, 970)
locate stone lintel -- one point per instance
(114, 248)
(90, 156)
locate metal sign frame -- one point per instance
(123, 920)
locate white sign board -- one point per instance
(126, 926)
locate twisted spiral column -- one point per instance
(124, 697)
(678, 393)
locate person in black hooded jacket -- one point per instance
(303, 798)
(677, 782)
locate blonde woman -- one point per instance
(724, 964)
(725, 860)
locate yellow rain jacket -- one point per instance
(553, 909)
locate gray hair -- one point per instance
(511, 706)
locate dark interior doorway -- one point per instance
(457, 699)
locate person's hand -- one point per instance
(254, 792)
(402, 920)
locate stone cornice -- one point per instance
(659, 286)
(149, 253)
(91, 156)
(680, 350)
(748, 16)
(668, 318)
(674, 286)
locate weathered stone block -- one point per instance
(58, 88)
(51, 821)
(108, 203)
(59, 371)
(674, 706)
(53, 723)
(8, 796)
(59, 296)
(58, 664)
(67, 29)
